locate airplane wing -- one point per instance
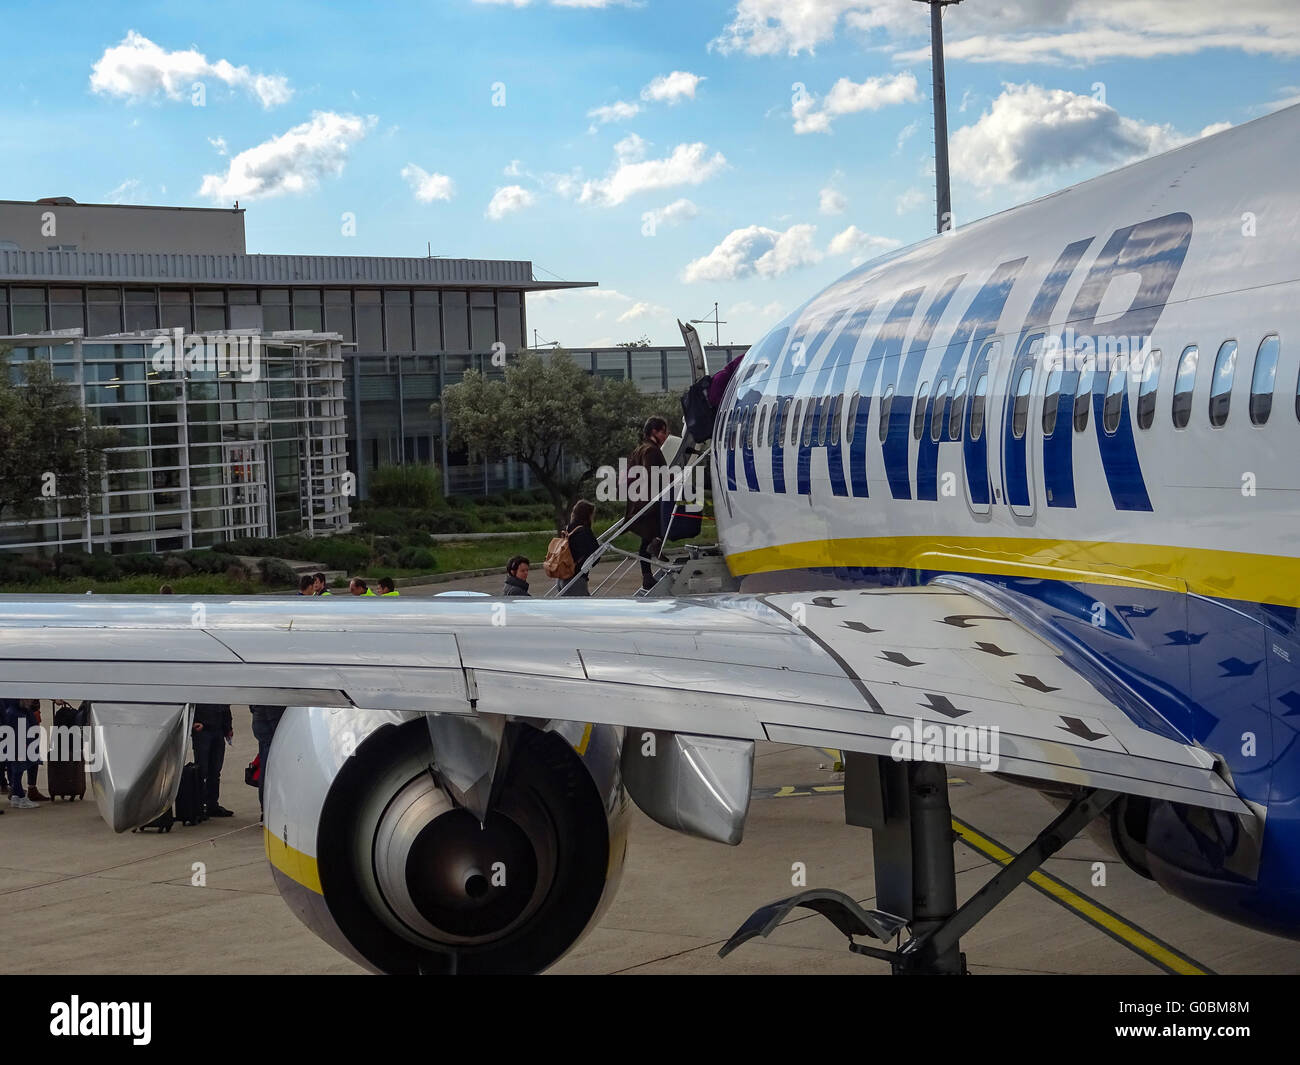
(852, 670)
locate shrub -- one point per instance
(237, 571)
(339, 553)
(274, 571)
(175, 566)
(406, 486)
(448, 521)
(417, 558)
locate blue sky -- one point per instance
(750, 152)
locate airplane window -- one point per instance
(824, 437)
(1052, 399)
(1115, 389)
(1183, 386)
(1261, 384)
(1146, 412)
(783, 420)
(1083, 394)
(886, 405)
(1225, 368)
(977, 407)
(918, 414)
(936, 416)
(809, 422)
(836, 409)
(794, 423)
(957, 409)
(851, 426)
(1020, 410)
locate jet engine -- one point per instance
(370, 850)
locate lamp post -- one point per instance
(715, 322)
(943, 194)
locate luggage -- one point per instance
(189, 802)
(162, 823)
(66, 778)
(559, 559)
(697, 412)
(253, 772)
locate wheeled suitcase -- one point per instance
(65, 777)
(189, 803)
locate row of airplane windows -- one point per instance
(817, 422)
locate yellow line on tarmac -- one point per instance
(1130, 935)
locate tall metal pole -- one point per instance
(943, 192)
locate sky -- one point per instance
(677, 152)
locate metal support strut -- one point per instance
(905, 804)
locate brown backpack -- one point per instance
(559, 559)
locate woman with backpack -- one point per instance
(582, 542)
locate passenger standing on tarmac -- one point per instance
(213, 727)
(649, 456)
(265, 720)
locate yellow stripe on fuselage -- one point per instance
(298, 867)
(1225, 574)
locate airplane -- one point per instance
(1033, 476)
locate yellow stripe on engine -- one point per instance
(298, 867)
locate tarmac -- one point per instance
(76, 898)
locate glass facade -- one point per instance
(199, 455)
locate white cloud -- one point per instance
(138, 69)
(1075, 32)
(672, 88)
(756, 250)
(767, 312)
(910, 200)
(673, 214)
(1215, 127)
(770, 27)
(615, 112)
(861, 246)
(687, 164)
(905, 134)
(832, 201)
(127, 192)
(512, 168)
(293, 162)
(1030, 131)
(508, 199)
(848, 97)
(426, 186)
(642, 309)
(219, 143)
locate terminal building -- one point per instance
(354, 352)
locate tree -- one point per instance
(560, 421)
(49, 447)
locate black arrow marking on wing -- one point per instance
(826, 601)
(943, 705)
(899, 659)
(1076, 727)
(1035, 683)
(994, 649)
(1235, 667)
(961, 620)
(859, 626)
(1291, 700)
(1183, 638)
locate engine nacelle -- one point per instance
(372, 855)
